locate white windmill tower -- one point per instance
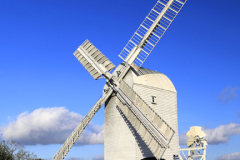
(140, 104)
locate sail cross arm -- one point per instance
(155, 23)
(62, 152)
(151, 31)
(93, 60)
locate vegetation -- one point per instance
(11, 150)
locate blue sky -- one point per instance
(199, 53)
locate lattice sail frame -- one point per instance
(158, 30)
(67, 145)
(154, 131)
(93, 60)
(166, 131)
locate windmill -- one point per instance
(140, 104)
(196, 141)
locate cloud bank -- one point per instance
(231, 156)
(220, 134)
(50, 126)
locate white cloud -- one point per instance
(220, 134)
(96, 136)
(231, 156)
(101, 157)
(183, 139)
(229, 93)
(49, 126)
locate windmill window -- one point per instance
(154, 100)
(118, 73)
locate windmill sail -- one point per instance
(62, 152)
(93, 60)
(151, 127)
(151, 31)
(156, 133)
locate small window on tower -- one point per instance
(118, 73)
(154, 100)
